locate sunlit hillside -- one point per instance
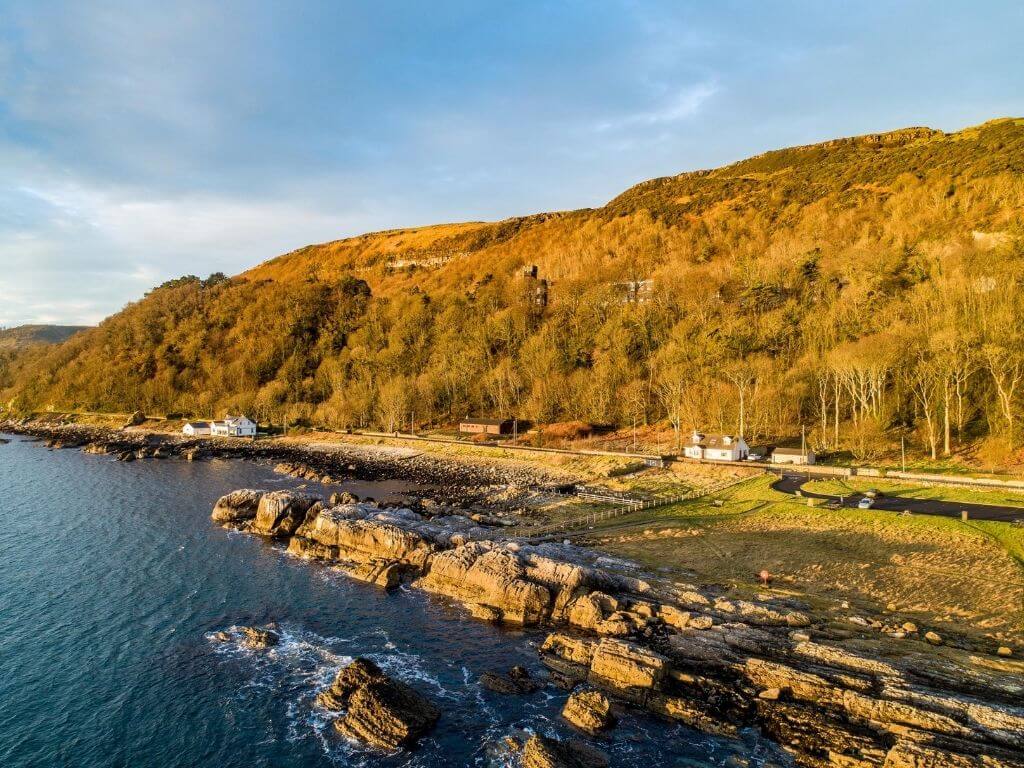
(862, 287)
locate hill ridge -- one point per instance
(805, 275)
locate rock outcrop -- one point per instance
(378, 710)
(238, 506)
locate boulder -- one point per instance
(379, 710)
(543, 752)
(516, 681)
(589, 711)
(137, 418)
(253, 637)
(238, 506)
(280, 513)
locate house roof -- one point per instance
(198, 424)
(715, 441)
(486, 422)
(792, 451)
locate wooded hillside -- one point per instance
(863, 287)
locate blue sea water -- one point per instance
(113, 580)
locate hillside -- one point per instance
(865, 288)
(28, 335)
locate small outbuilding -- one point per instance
(792, 456)
(194, 428)
(486, 426)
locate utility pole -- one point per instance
(634, 434)
(803, 442)
(515, 429)
(903, 451)
(412, 423)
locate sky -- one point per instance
(141, 141)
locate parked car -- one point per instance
(755, 457)
(865, 503)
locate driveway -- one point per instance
(790, 483)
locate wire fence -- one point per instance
(624, 505)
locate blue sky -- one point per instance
(141, 141)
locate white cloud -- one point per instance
(679, 106)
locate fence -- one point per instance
(626, 506)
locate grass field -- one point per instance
(852, 485)
(965, 576)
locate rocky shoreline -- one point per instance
(463, 484)
(831, 696)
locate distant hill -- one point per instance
(864, 288)
(28, 335)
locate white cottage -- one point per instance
(234, 426)
(716, 447)
(194, 428)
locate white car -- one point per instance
(865, 503)
(754, 457)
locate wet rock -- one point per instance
(1004, 650)
(933, 637)
(516, 681)
(589, 711)
(543, 752)
(253, 637)
(237, 506)
(379, 710)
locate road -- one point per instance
(791, 483)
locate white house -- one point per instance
(716, 447)
(792, 456)
(193, 428)
(234, 426)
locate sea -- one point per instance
(114, 581)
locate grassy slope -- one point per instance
(967, 576)
(27, 335)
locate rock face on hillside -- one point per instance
(379, 711)
(829, 697)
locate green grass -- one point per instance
(853, 485)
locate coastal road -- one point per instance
(791, 482)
